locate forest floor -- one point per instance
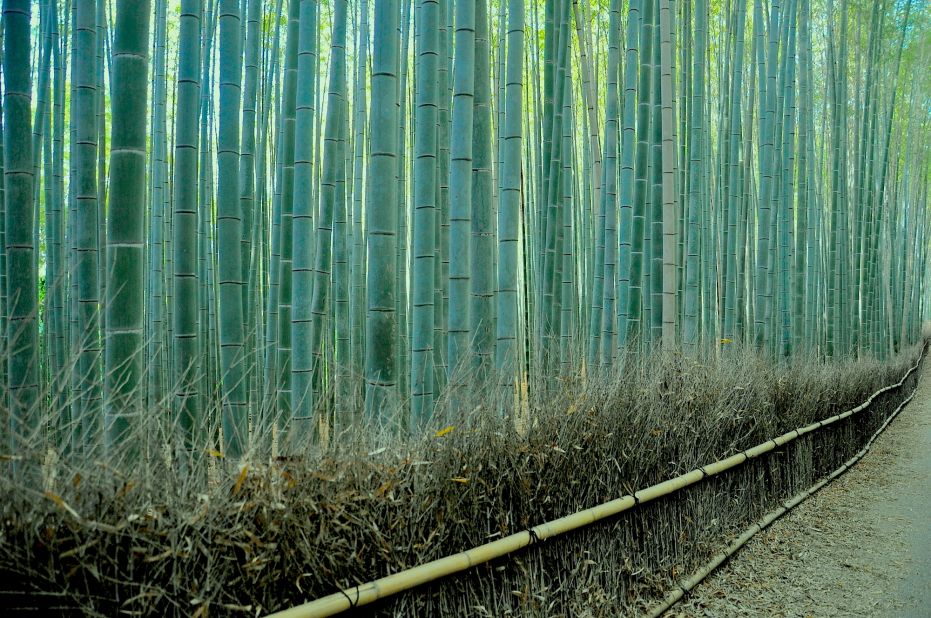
(859, 547)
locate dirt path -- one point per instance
(859, 547)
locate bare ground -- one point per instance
(859, 547)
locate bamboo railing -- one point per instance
(390, 585)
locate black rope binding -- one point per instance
(352, 603)
(534, 539)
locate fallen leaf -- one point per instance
(58, 500)
(444, 431)
(242, 478)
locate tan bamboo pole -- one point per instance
(387, 586)
(696, 578)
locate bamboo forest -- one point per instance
(247, 245)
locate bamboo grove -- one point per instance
(269, 214)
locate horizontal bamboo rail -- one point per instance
(696, 578)
(390, 585)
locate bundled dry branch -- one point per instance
(260, 537)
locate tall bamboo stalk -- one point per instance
(381, 349)
(20, 249)
(125, 222)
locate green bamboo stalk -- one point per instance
(552, 220)
(381, 353)
(509, 216)
(404, 211)
(304, 315)
(125, 223)
(734, 194)
(56, 275)
(21, 290)
(669, 193)
(4, 331)
(157, 216)
(697, 157)
(247, 189)
(654, 240)
(186, 359)
(460, 191)
(627, 180)
(441, 257)
(332, 156)
(269, 349)
(839, 307)
(285, 227)
(229, 233)
(482, 247)
(341, 271)
(103, 61)
(425, 220)
(360, 113)
(604, 290)
(638, 264)
(86, 378)
(566, 318)
(42, 151)
(764, 255)
(206, 203)
(787, 192)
